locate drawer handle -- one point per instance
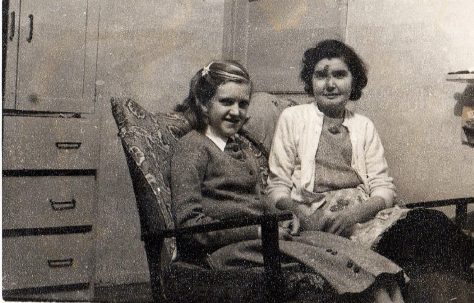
(12, 25)
(30, 36)
(65, 205)
(60, 263)
(68, 145)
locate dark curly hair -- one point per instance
(204, 85)
(334, 49)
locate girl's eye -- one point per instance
(320, 74)
(227, 102)
(244, 104)
(340, 74)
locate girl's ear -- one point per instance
(204, 112)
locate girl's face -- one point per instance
(332, 84)
(227, 110)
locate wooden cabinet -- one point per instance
(50, 150)
(51, 55)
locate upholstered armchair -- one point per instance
(147, 141)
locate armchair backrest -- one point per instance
(148, 138)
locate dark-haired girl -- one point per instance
(327, 166)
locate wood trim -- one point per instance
(46, 231)
(235, 34)
(48, 172)
(12, 294)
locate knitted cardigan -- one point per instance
(208, 184)
(292, 157)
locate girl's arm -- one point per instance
(281, 164)
(188, 166)
(380, 183)
(282, 161)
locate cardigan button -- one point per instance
(356, 269)
(251, 173)
(350, 264)
(329, 250)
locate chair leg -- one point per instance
(153, 251)
(271, 259)
(461, 214)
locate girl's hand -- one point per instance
(292, 226)
(284, 233)
(339, 223)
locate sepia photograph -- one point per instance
(238, 151)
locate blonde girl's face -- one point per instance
(332, 84)
(227, 109)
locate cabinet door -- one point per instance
(9, 41)
(56, 55)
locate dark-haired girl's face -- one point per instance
(332, 85)
(227, 110)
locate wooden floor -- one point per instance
(137, 293)
(430, 288)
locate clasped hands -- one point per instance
(338, 223)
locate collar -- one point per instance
(348, 114)
(218, 140)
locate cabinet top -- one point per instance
(463, 76)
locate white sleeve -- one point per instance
(380, 184)
(282, 160)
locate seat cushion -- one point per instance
(263, 114)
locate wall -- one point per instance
(409, 49)
(148, 50)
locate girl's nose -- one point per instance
(330, 82)
(234, 109)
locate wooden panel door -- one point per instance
(56, 55)
(270, 37)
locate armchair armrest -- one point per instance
(271, 251)
(220, 225)
(460, 203)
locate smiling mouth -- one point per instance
(233, 121)
(331, 96)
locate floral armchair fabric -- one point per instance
(148, 140)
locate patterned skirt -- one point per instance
(367, 234)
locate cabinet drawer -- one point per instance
(39, 261)
(49, 143)
(38, 202)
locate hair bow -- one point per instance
(206, 69)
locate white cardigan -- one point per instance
(295, 142)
